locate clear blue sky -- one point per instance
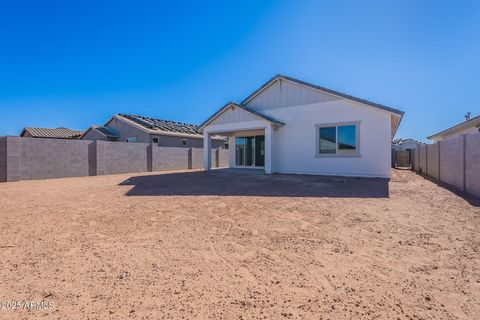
(76, 63)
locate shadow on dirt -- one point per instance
(231, 182)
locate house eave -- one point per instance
(475, 122)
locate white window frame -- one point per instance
(357, 153)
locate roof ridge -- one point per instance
(279, 76)
(45, 128)
(157, 119)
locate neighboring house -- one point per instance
(469, 126)
(405, 144)
(291, 126)
(50, 133)
(165, 133)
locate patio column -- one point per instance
(268, 149)
(207, 151)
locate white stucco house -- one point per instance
(291, 126)
(469, 126)
(405, 144)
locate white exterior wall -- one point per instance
(294, 145)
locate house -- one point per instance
(291, 126)
(405, 144)
(165, 133)
(469, 126)
(50, 133)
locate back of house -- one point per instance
(291, 126)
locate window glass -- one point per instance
(239, 151)
(328, 140)
(347, 139)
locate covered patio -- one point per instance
(249, 133)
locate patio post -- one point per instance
(207, 151)
(268, 149)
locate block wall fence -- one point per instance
(32, 158)
(455, 161)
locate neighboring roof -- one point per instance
(466, 123)
(162, 125)
(105, 131)
(313, 86)
(226, 106)
(401, 141)
(53, 133)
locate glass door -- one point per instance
(240, 151)
(250, 151)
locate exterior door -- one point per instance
(250, 151)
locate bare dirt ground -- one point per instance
(224, 245)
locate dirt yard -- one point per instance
(225, 245)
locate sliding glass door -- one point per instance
(250, 151)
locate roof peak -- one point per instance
(280, 76)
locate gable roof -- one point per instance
(460, 125)
(160, 125)
(229, 104)
(52, 133)
(107, 132)
(316, 87)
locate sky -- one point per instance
(76, 63)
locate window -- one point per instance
(155, 140)
(338, 139)
(225, 146)
(184, 142)
(132, 139)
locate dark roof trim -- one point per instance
(461, 124)
(107, 132)
(222, 109)
(313, 86)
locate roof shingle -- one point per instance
(52, 133)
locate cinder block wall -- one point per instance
(451, 162)
(472, 164)
(432, 160)
(121, 157)
(423, 158)
(455, 161)
(197, 158)
(170, 158)
(29, 158)
(3, 159)
(223, 158)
